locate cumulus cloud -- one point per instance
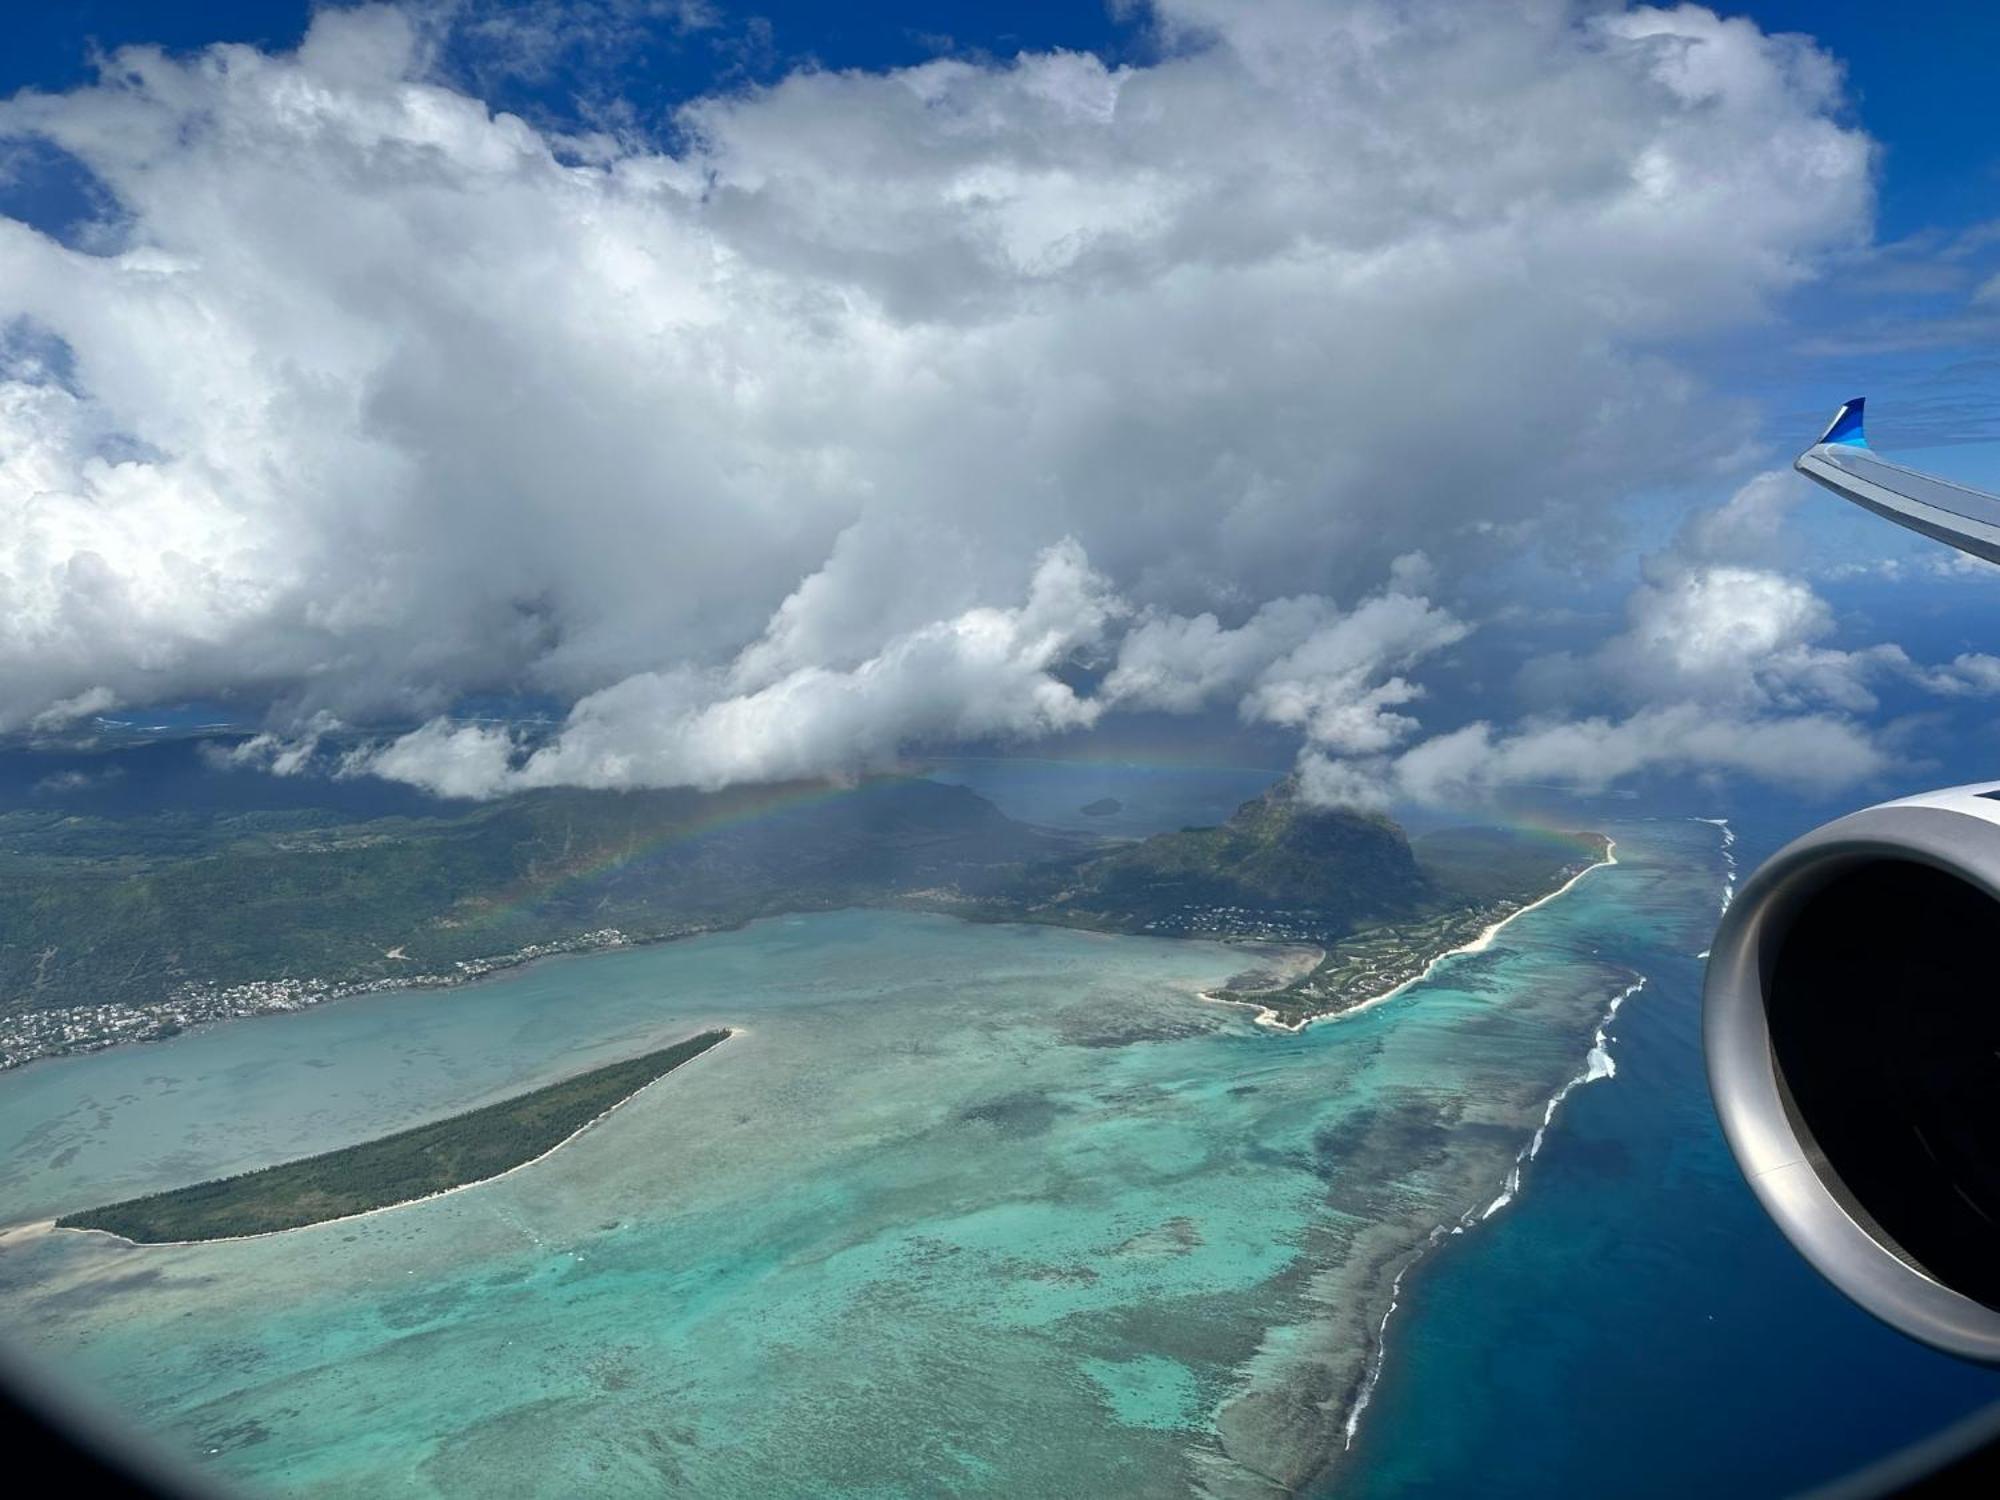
(1332, 686)
(66, 711)
(1181, 664)
(1813, 751)
(1723, 633)
(1476, 763)
(1970, 674)
(1714, 621)
(365, 398)
(1721, 666)
(1301, 663)
(985, 673)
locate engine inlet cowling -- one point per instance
(1851, 1020)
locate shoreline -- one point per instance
(23, 1232)
(1598, 1065)
(1384, 1288)
(1287, 958)
(1401, 1275)
(412, 985)
(1385, 1264)
(495, 966)
(1272, 1020)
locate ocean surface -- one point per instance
(1634, 1325)
(982, 1210)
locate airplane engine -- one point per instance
(1851, 1020)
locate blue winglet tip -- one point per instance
(1845, 428)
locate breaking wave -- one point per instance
(1597, 1063)
(1728, 858)
(1728, 865)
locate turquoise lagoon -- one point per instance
(963, 1210)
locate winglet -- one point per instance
(1845, 428)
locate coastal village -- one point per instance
(30, 1034)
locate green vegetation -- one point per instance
(1278, 868)
(1474, 877)
(97, 910)
(118, 926)
(414, 1163)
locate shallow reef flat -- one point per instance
(963, 1209)
(395, 1170)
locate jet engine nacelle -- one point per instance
(1852, 1025)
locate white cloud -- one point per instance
(1720, 669)
(278, 754)
(1970, 674)
(1730, 634)
(986, 673)
(1333, 686)
(1299, 662)
(375, 398)
(1745, 529)
(1182, 663)
(1712, 622)
(66, 711)
(1812, 751)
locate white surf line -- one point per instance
(1728, 866)
(1597, 1064)
(1728, 858)
(1268, 1017)
(1377, 1356)
(387, 1208)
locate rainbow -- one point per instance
(746, 806)
(716, 812)
(1118, 760)
(1552, 826)
(1549, 830)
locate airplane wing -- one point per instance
(1967, 519)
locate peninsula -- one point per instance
(392, 1169)
(136, 927)
(1378, 906)
(1494, 878)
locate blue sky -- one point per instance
(1939, 177)
(1941, 170)
(1156, 368)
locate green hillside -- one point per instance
(1278, 863)
(123, 928)
(97, 911)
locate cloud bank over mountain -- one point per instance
(882, 411)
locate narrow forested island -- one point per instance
(399, 1168)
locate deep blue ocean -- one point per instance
(1633, 1325)
(1630, 1325)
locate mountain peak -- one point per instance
(1325, 869)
